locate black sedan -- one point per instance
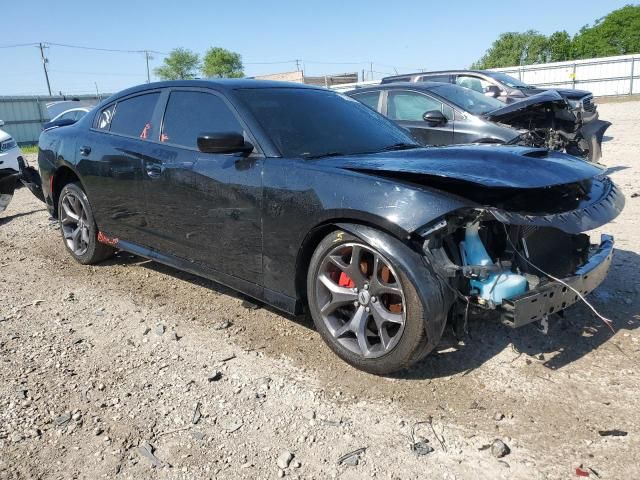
(307, 200)
(446, 114)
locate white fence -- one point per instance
(601, 76)
(24, 115)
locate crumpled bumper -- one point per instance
(592, 134)
(554, 296)
(10, 180)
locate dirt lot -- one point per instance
(100, 366)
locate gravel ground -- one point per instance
(130, 369)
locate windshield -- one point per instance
(508, 80)
(467, 99)
(313, 123)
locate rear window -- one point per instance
(132, 116)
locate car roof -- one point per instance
(438, 72)
(398, 85)
(219, 84)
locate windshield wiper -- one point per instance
(400, 146)
(322, 155)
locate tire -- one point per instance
(80, 234)
(337, 312)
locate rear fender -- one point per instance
(435, 296)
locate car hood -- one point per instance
(4, 136)
(566, 93)
(485, 165)
(529, 104)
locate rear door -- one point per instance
(204, 207)
(406, 107)
(110, 161)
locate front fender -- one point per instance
(436, 297)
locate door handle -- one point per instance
(154, 170)
(85, 150)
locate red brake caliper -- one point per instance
(345, 281)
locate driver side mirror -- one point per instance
(224, 142)
(434, 118)
(492, 91)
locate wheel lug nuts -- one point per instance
(367, 309)
(366, 286)
(374, 299)
(356, 303)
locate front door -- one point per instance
(204, 207)
(407, 109)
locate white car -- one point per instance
(66, 118)
(9, 167)
(14, 171)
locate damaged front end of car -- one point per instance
(547, 120)
(524, 253)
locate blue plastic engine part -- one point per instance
(497, 285)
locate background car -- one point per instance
(307, 200)
(445, 114)
(68, 117)
(14, 171)
(501, 86)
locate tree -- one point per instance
(560, 47)
(616, 34)
(222, 63)
(180, 64)
(515, 48)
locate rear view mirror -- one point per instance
(492, 91)
(434, 118)
(223, 142)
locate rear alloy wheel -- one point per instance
(78, 227)
(367, 311)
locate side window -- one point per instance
(474, 83)
(434, 78)
(370, 99)
(189, 114)
(133, 115)
(410, 106)
(103, 120)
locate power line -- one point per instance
(270, 63)
(16, 45)
(82, 47)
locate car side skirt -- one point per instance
(276, 299)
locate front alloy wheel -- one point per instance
(360, 300)
(365, 308)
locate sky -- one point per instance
(327, 37)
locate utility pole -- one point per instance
(297, 65)
(371, 69)
(45, 60)
(147, 58)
